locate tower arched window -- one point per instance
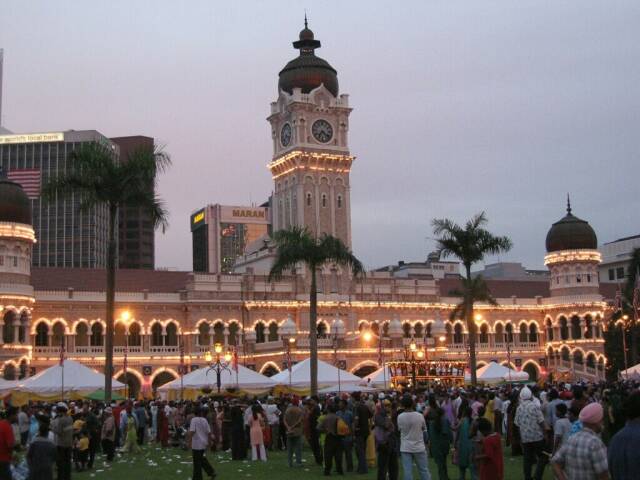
(135, 340)
(576, 334)
(58, 334)
(339, 201)
(324, 199)
(406, 330)
(156, 335)
(457, 334)
(120, 335)
(82, 335)
(308, 199)
(417, 329)
(484, 333)
(321, 329)
(549, 329)
(218, 333)
(523, 333)
(588, 328)
(499, 333)
(273, 332)
(203, 334)
(233, 333)
(42, 334)
(171, 337)
(7, 329)
(533, 333)
(260, 338)
(564, 328)
(509, 332)
(96, 335)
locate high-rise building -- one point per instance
(136, 233)
(311, 160)
(222, 233)
(616, 258)
(67, 237)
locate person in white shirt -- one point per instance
(198, 439)
(273, 419)
(412, 448)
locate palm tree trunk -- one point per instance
(111, 293)
(471, 327)
(313, 332)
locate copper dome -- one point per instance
(308, 71)
(571, 233)
(14, 203)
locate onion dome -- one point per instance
(14, 204)
(571, 233)
(308, 71)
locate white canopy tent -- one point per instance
(631, 373)
(328, 376)
(79, 380)
(6, 386)
(493, 373)
(346, 388)
(246, 380)
(378, 379)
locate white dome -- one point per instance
(288, 327)
(395, 327)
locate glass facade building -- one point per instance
(66, 236)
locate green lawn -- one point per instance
(175, 464)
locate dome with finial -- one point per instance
(14, 203)
(308, 71)
(571, 233)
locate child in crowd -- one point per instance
(491, 464)
(81, 453)
(561, 428)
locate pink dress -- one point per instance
(255, 430)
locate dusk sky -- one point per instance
(459, 106)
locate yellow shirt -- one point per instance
(83, 444)
(78, 425)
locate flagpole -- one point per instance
(181, 367)
(62, 367)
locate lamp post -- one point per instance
(288, 343)
(125, 316)
(368, 337)
(287, 333)
(412, 352)
(218, 366)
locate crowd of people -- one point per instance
(578, 431)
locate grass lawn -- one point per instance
(174, 464)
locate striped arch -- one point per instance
(78, 321)
(535, 364)
(132, 371)
(63, 322)
(489, 329)
(100, 321)
(464, 327)
(259, 320)
(575, 349)
(196, 327)
(601, 357)
(511, 365)
(364, 363)
(160, 370)
(521, 321)
(366, 323)
(34, 324)
(270, 364)
(499, 322)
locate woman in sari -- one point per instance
(463, 446)
(163, 427)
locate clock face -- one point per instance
(285, 134)
(322, 131)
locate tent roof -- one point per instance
(377, 378)
(348, 388)
(77, 377)
(495, 373)
(203, 377)
(631, 372)
(327, 375)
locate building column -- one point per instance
(16, 332)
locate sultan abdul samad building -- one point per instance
(543, 327)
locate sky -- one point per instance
(459, 106)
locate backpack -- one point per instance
(342, 429)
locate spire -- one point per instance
(568, 204)
(305, 19)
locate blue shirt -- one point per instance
(624, 461)
(575, 428)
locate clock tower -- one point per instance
(311, 160)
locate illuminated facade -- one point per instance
(551, 326)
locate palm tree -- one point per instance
(297, 245)
(629, 305)
(469, 244)
(99, 179)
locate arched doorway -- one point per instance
(160, 379)
(10, 371)
(364, 370)
(269, 371)
(132, 382)
(532, 370)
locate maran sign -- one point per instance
(243, 215)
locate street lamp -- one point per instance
(367, 336)
(220, 365)
(125, 316)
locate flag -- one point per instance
(62, 352)
(29, 180)
(181, 356)
(125, 362)
(234, 359)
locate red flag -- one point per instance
(181, 356)
(62, 352)
(234, 359)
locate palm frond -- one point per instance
(334, 250)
